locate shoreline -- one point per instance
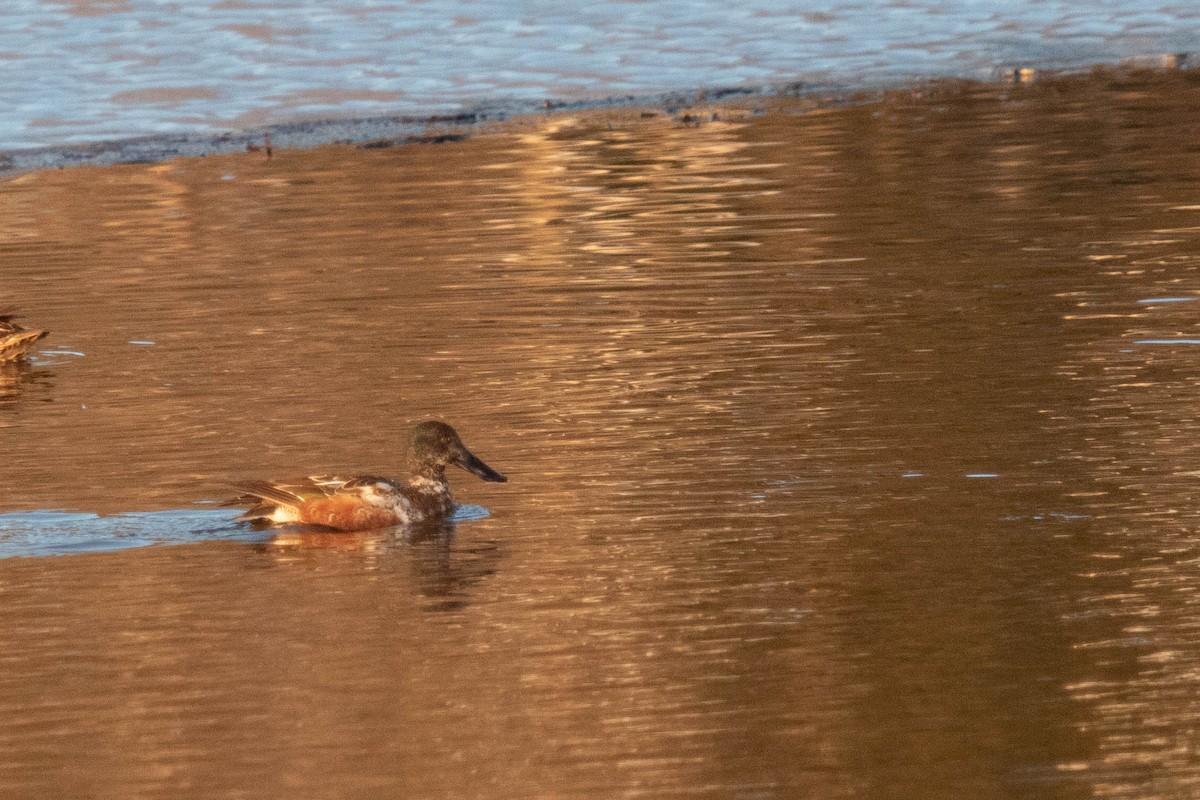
(392, 130)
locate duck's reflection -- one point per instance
(20, 377)
(442, 569)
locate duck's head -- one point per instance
(435, 444)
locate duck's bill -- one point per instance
(473, 465)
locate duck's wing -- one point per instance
(368, 482)
(372, 489)
(266, 496)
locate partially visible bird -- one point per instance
(15, 341)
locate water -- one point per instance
(78, 71)
(841, 461)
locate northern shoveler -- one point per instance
(15, 341)
(364, 502)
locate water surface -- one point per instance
(81, 71)
(851, 454)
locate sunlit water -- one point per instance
(83, 70)
(851, 454)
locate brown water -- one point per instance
(843, 460)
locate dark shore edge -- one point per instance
(399, 129)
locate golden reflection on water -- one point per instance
(847, 458)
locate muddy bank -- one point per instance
(686, 106)
(398, 129)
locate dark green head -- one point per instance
(435, 444)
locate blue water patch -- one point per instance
(1150, 300)
(50, 533)
(52, 358)
(58, 533)
(983, 475)
(1049, 515)
(470, 513)
(213, 65)
(1167, 341)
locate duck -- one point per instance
(368, 502)
(15, 341)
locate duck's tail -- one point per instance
(266, 496)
